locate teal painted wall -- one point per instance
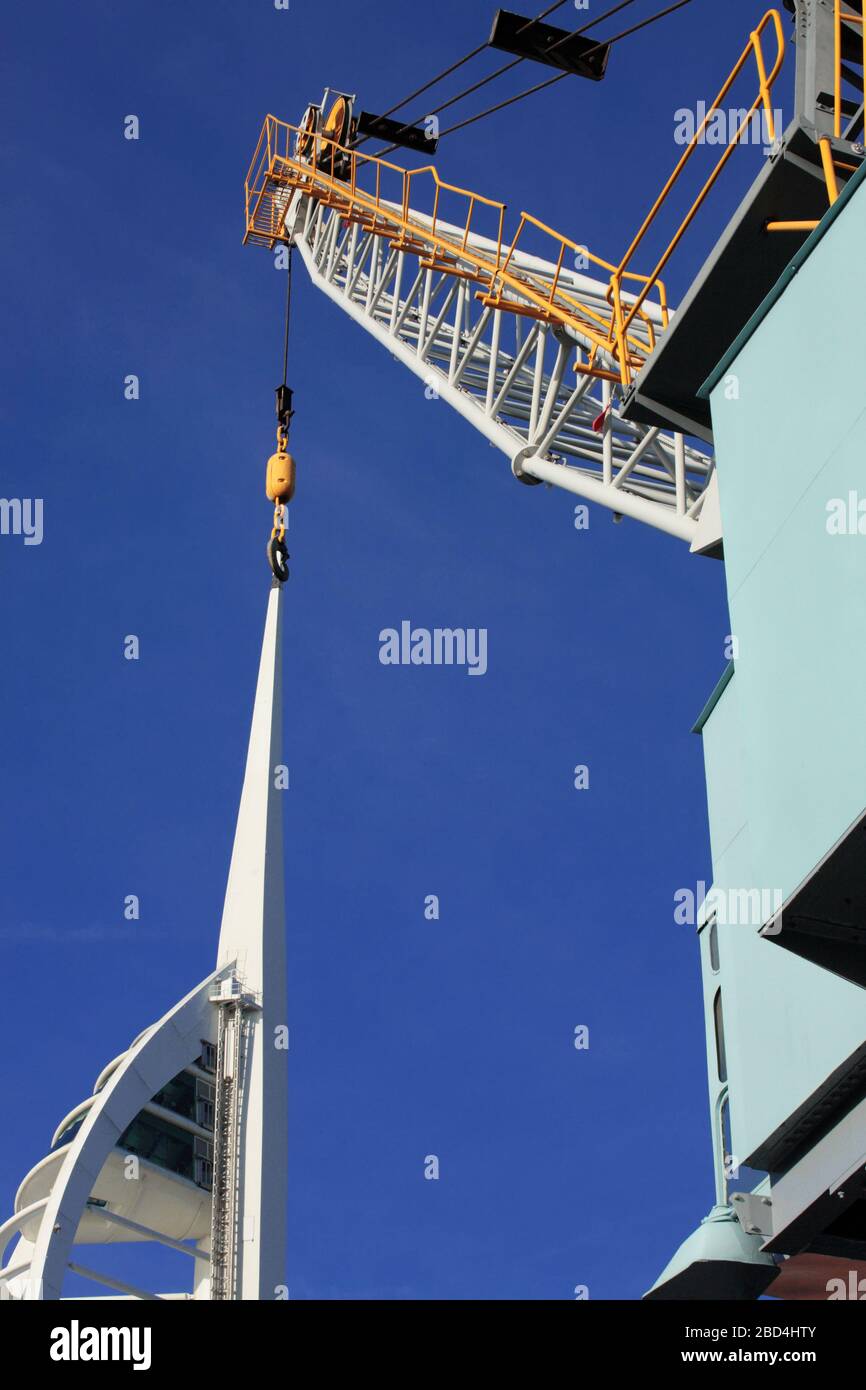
(785, 747)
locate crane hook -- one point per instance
(278, 558)
(280, 488)
(280, 473)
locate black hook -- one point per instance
(278, 559)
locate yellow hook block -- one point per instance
(280, 478)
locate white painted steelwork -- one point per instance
(555, 425)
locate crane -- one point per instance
(183, 1140)
(530, 349)
(580, 372)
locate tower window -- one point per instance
(714, 946)
(721, 1059)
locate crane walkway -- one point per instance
(521, 345)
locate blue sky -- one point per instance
(409, 1037)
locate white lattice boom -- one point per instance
(510, 376)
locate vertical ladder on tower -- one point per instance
(231, 1052)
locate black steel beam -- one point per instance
(543, 43)
(414, 137)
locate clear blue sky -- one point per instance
(409, 1037)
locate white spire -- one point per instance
(253, 928)
(253, 936)
(53, 1212)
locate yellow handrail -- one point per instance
(583, 311)
(621, 320)
(288, 157)
(276, 167)
(830, 164)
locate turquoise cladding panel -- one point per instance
(787, 1023)
(785, 747)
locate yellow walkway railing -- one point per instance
(390, 202)
(830, 164)
(386, 199)
(623, 315)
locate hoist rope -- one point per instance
(288, 318)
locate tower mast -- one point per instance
(196, 1104)
(253, 1006)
